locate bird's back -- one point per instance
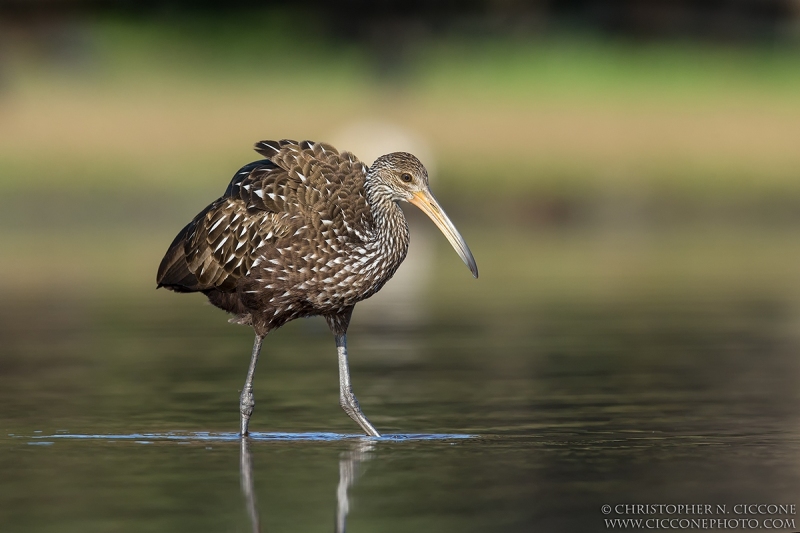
(285, 234)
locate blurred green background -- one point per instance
(119, 121)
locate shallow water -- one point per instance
(118, 409)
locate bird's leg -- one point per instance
(338, 323)
(347, 399)
(247, 401)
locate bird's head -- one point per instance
(401, 176)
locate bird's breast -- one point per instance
(318, 279)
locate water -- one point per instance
(524, 401)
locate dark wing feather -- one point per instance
(226, 242)
(173, 272)
(299, 187)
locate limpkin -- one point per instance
(306, 231)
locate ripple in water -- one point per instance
(149, 438)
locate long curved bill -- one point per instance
(428, 204)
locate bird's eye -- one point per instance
(406, 177)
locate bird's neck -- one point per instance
(391, 229)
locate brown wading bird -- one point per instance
(307, 231)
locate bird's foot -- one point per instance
(349, 403)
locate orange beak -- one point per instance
(428, 204)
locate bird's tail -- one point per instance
(173, 272)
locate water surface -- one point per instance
(118, 407)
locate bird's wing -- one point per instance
(224, 244)
(315, 174)
(320, 184)
(301, 190)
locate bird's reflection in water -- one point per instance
(246, 475)
(349, 465)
